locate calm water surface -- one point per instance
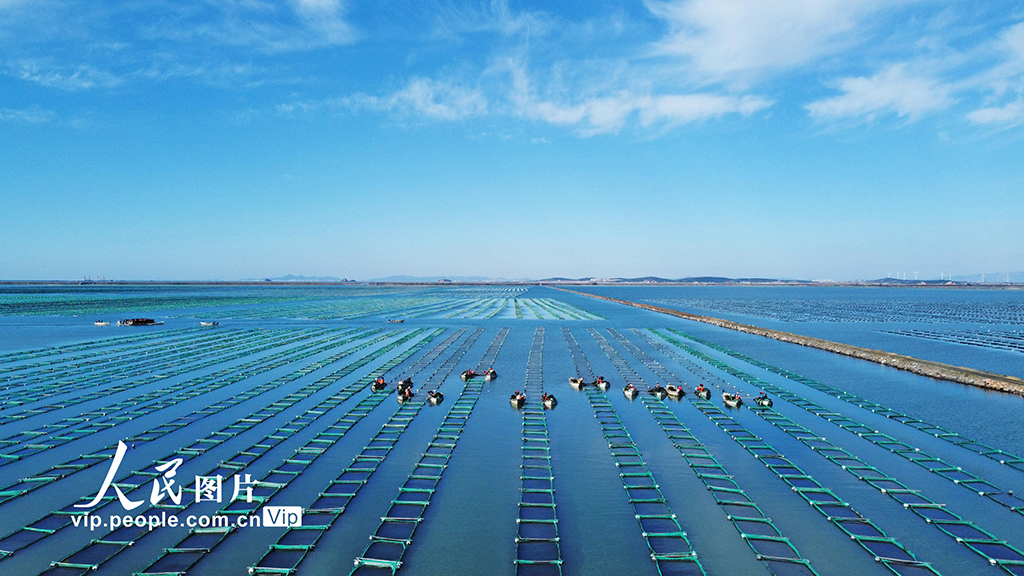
(58, 369)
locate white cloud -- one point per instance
(1011, 114)
(262, 26)
(326, 17)
(1012, 40)
(453, 20)
(69, 78)
(26, 115)
(435, 100)
(741, 40)
(891, 90)
(432, 99)
(611, 110)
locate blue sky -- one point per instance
(225, 139)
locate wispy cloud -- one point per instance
(420, 97)
(746, 40)
(77, 45)
(589, 69)
(1006, 116)
(452, 20)
(892, 90)
(33, 115)
(327, 18)
(64, 77)
(587, 105)
(592, 111)
(1004, 81)
(266, 27)
(433, 99)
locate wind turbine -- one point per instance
(915, 275)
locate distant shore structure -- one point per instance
(937, 370)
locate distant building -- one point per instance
(444, 281)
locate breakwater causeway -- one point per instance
(969, 376)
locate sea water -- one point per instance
(470, 525)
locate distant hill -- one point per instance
(421, 279)
(660, 280)
(294, 278)
(902, 282)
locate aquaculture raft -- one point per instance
(997, 551)
(670, 548)
(394, 535)
(101, 550)
(996, 454)
(181, 557)
(256, 367)
(872, 539)
(293, 546)
(769, 544)
(87, 423)
(537, 548)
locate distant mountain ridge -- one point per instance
(420, 279)
(688, 280)
(994, 278)
(294, 278)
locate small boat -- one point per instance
(549, 401)
(490, 374)
(674, 391)
(102, 323)
(763, 401)
(602, 383)
(517, 399)
(702, 392)
(658, 392)
(435, 397)
(378, 384)
(630, 391)
(468, 374)
(209, 323)
(397, 321)
(404, 390)
(404, 394)
(138, 322)
(732, 400)
(577, 383)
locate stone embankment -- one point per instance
(969, 376)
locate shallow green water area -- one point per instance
(901, 474)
